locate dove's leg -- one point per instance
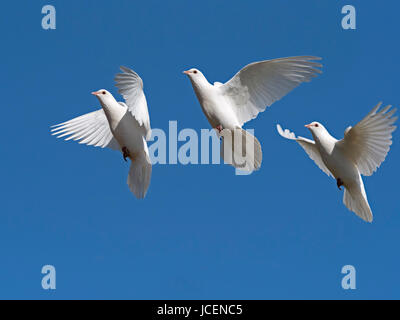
(125, 152)
(339, 183)
(219, 128)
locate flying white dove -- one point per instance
(361, 151)
(255, 87)
(118, 126)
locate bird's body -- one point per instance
(125, 129)
(360, 152)
(346, 173)
(334, 159)
(119, 126)
(215, 106)
(250, 91)
(338, 163)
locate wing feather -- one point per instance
(368, 143)
(309, 147)
(91, 129)
(130, 86)
(259, 84)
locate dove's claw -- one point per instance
(125, 153)
(219, 128)
(339, 183)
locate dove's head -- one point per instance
(193, 73)
(316, 128)
(197, 78)
(104, 96)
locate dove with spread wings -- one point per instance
(361, 152)
(228, 106)
(123, 126)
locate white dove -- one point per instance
(361, 151)
(250, 91)
(119, 126)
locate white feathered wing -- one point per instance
(259, 84)
(368, 142)
(309, 147)
(130, 86)
(367, 145)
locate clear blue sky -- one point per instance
(201, 232)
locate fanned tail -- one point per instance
(139, 176)
(241, 149)
(355, 199)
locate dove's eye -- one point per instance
(195, 71)
(316, 125)
(103, 92)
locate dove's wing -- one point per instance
(308, 145)
(260, 84)
(368, 142)
(91, 129)
(130, 86)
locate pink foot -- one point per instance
(219, 128)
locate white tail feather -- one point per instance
(139, 176)
(355, 199)
(244, 153)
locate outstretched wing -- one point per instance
(368, 143)
(259, 84)
(309, 147)
(91, 129)
(130, 86)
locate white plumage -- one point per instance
(367, 144)
(118, 126)
(91, 129)
(258, 85)
(361, 151)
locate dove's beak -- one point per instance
(95, 93)
(308, 126)
(186, 72)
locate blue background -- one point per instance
(202, 232)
